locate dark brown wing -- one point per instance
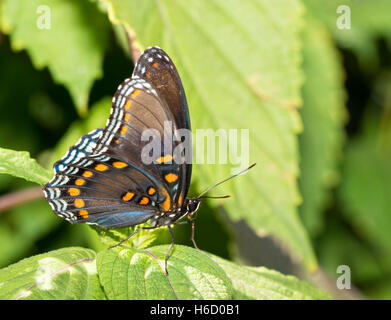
(156, 67)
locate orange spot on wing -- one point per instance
(155, 64)
(87, 174)
(79, 203)
(180, 200)
(128, 196)
(144, 201)
(124, 129)
(151, 191)
(165, 159)
(171, 177)
(79, 182)
(83, 213)
(101, 167)
(135, 93)
(127, 104)
(127, 117)
(74, 191)
(166, 205)
(119, 164)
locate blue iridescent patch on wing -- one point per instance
(121, 219)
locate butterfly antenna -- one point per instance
(217, 184)
(218, 197)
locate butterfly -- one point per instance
(104, 179)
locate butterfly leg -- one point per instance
(133, 233)
(192, 221)
(169, 249)
(192, 234)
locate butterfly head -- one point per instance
(192, 206)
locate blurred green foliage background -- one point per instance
(317, 100)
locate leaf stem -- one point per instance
(134, 51)
(13, 199)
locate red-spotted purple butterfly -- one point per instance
(102, 179)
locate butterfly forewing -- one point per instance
(138, 115)
(156, 67)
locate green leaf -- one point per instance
(239, 62)
(363, 262)
(73, 46)
(97, 116)
(68, 273)
(142, 239)
(369, 21)
(137, 274)
(366, 187)
(19, 164)
(324, 115)
(263, 284)
(19, 233)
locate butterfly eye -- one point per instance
(193, 205)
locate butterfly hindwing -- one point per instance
(82, 148)
(95, 188)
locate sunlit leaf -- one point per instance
(263, 284)
(135, 274)
(323, 113)
(19, 164)
(68, 273)
(239, 62)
